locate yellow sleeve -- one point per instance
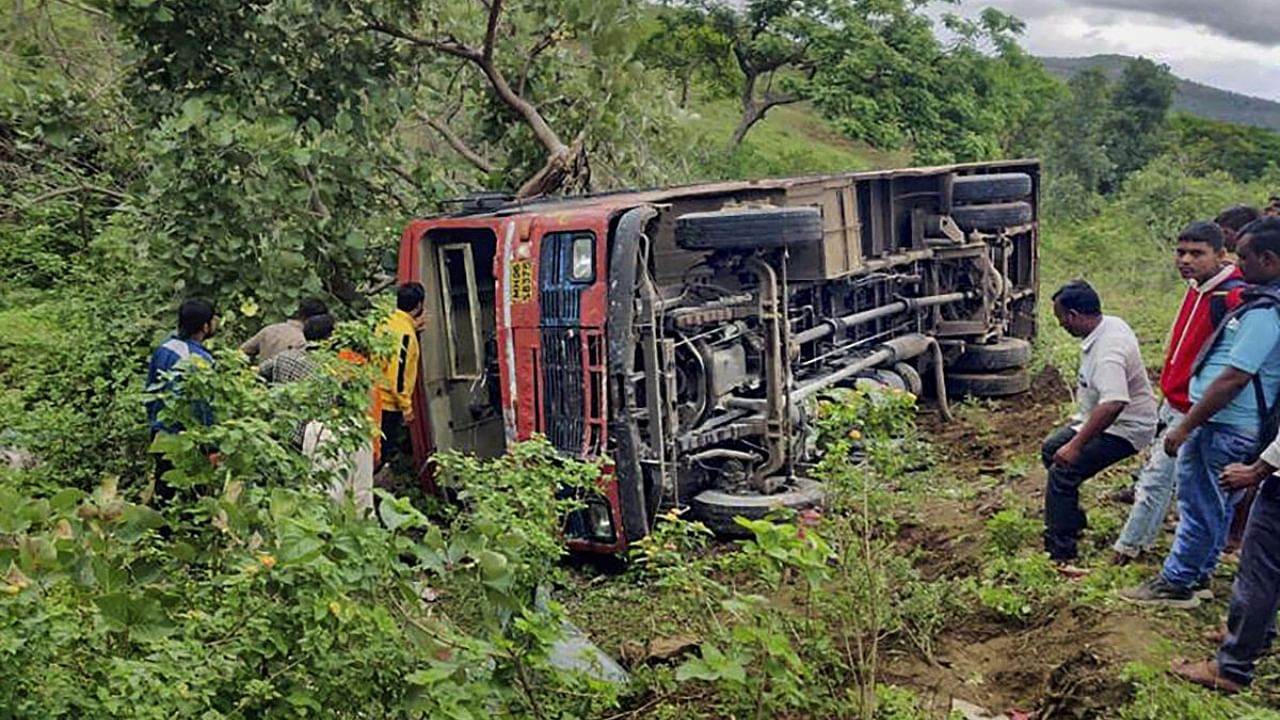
(410, 376)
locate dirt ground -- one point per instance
(1064, 665)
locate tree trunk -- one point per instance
(684, 91)
(751, 112)
(751, 115)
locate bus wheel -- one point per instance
(749, 229)
(991, 217)
(717, 509)
(1003, 354)
(1001, 384)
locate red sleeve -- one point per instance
(1235, 296)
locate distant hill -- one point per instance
(1193, 97)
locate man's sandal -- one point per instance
(1205, 674)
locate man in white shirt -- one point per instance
(1115, 416)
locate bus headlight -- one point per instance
(599, 521)
(583, 266)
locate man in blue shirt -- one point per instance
(1239, 363)
(197, 322)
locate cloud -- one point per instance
(1253, 21)
(1156, 29)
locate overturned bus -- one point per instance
(680, 332)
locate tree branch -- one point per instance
(562, 160)
(491, 32)
(457, 143)
(449, 46)
(318, 208)
(78, 189)
(546, 41)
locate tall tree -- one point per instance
(772, 42)
(689, 47)
(1078, 143)
(1139, 115)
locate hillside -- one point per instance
(1193, 97)
(792, 139)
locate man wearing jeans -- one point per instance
(1255, 595)
(1223, 425)
(1116, 415)
(1214, 289)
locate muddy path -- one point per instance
(1064, 664)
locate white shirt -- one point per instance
(1111, 370)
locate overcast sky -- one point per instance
(1231, 44)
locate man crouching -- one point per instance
(1114, 419)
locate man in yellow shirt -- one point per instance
(400, 371)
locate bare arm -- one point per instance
(1238, 476)
(1220, 393)
(1101, 418)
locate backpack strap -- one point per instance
(1268, 414)
(1224, 298)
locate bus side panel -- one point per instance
(409, 270)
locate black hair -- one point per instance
(310, 307)
(193, 315)
(410, 295)
(1237, 217)
(1263, 234)
(318, 327)
(1079, 296)
(1203, 232)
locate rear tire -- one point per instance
(991, 217)
(717, 509)
(1003, 354)
(915, 384)
(997, 187)
(1001, 384)
(749, 229)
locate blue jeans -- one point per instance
(1204, 509)
(1152, 493)
(1255, 595)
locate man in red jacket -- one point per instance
(1215, 287)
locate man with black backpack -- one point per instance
(1214, 289)
(1234, 387)
(1255, 596)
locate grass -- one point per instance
(792, 139)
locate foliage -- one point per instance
(1246, 153)
(63, 163)
(1105, 132)
(686, 45)
(272, 151)
(1018, 581)
(1009, 531)
(253, 594)
(890, 81)
(1078, 142)
(71, 365)
(1140, 103)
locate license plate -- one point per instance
(521, 281)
